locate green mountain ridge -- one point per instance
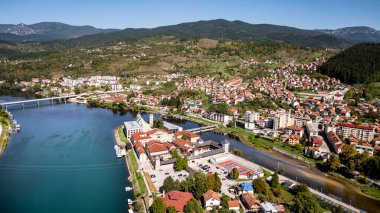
(219, 29)
(355, 65)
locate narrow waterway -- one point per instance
(63, 161)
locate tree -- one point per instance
(304, 201)
(260, 186)
(347, 157)
(237, 152)
(170, 185)
(77, 90)
(274, 183)
(175, 154)
(158, 123)
(372, 167)
(218, 183)
(171, 209)
(185, 162)
(185, 137)
(200, 184)
(158, 206)
(193, 206)
(333, 163)
(224, 201)
(234, 174)
(210, 181)
(361, 160)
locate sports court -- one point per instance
(229, 165)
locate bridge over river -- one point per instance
(37, 101)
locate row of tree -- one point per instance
(191, 206)
(197, 183)
(354, 161)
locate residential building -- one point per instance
(251, 116)
(192, 137)
(293, 139)
(362, 132)
(293, 129)
(177, 199)
(267, 207)
(312, 130)
(335, 141)
(362, 148)
(233, 205)
(211, 199)
(250, 201)
(246, 188)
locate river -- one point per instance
(63, 161)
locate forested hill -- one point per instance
(219, 29)
(355, 65)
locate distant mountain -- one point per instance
(46, 31)
(72, 36)
(220, 29)
(355, 34)
(355, 65)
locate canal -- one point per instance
(63, 161)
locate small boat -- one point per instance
(127, 188)
(130, 202)
(120, 152)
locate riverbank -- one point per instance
(5, 130)
(135, 176)
(371, 191)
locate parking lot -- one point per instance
(205, 166)
(158, 176)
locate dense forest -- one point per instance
(355, 65)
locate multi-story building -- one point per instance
(131, 127)
(362, 132)
(335, 141)
(362, 148)
(312, 130)
(251, 117)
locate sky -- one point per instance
(120, 14)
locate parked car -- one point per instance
(153, 176)
(166, 173)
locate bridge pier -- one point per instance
(22, 105)
(38, 104)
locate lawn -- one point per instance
(140, 181)
(132, 157)
(122, 135)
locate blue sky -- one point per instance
(306, 14)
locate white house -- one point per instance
(211, 199)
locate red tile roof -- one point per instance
(211, 194)
(233, 203)
(183, 145)
(185, 132)
(294, 127)
(157, 148)
(177, 199)
(366, 127)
